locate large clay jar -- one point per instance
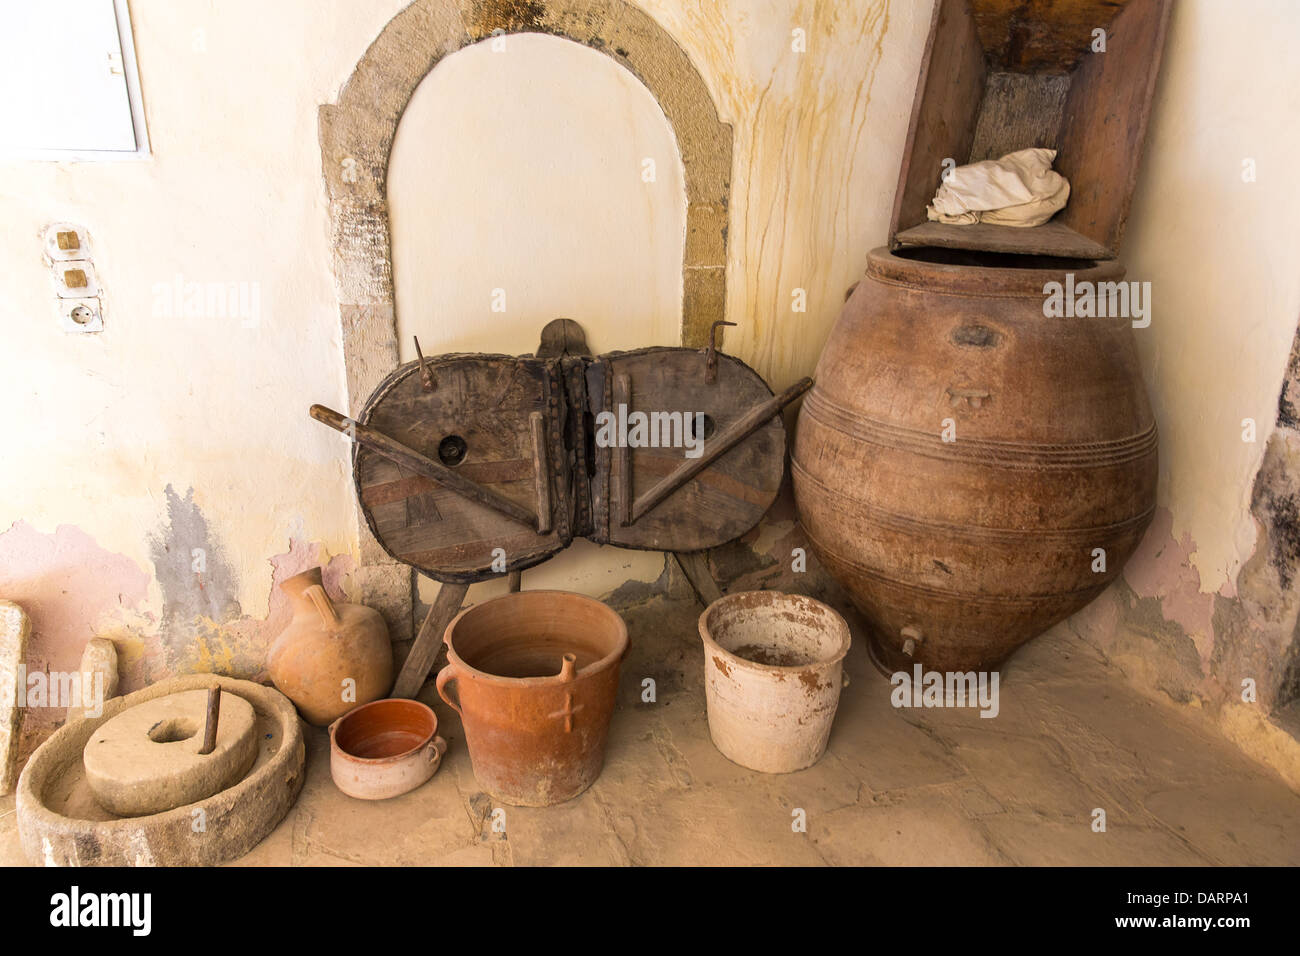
(970, 470)
(325, 646)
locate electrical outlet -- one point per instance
(80, 315)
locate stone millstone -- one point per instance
(52, 788)
(15, 628)
(99, 659)
(147, 760)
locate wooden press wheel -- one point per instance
(478, 420)
(722, 502)
(524, 429)
(470, 466)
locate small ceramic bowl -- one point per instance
(385, 748)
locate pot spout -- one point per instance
(567, 665)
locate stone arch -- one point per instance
(356, 137)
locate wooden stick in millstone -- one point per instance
(214, 717)
(409, 458)
(741, 429)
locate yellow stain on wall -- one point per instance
(813, 92)
(212, 653)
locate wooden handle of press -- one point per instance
(718, 446)
(411, 459)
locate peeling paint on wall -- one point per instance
(203, 629)
(69, 586)
(1234, 654)
(75, 590)
(1161, 570)
(190, 566)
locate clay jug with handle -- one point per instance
(333, 656)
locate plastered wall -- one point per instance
(1211, 229)
(531, 178)
(1206, 603)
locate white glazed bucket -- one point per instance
(773, 668)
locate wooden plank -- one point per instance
(622, 499)
(382, 489)
(516, 419)
(411, 459)
(1019, 111)
(425, 649)
(598, 464)
(1039, 36)
(695, 565)
(662, 465)
(718, 446)
(483, 405)
(1052, 238)
(1104, 126)
(948, 95)
(576, 449)
(724, 500)
(541, 472)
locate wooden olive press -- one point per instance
(468, 465)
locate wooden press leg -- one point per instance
(420, 661)
(516, 581)
(695, 565)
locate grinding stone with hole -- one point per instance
(147, 760)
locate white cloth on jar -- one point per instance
(1020, 189)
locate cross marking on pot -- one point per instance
(567, 713)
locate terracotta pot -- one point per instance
(325, 645)
(960, 551)
(385, 748)
(773, 668)
(534, 676)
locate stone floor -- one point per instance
(897, 786)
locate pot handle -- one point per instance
(445, 676)
(435, 749)
(329, 617)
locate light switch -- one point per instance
(75, 279)
(66, 241)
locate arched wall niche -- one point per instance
(356, 136)
(533, 177)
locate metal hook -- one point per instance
(711, 360)
(426, 373)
